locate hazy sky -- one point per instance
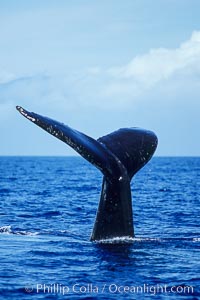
(99, 66)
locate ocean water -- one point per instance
(47, 211)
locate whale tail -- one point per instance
(118, 156)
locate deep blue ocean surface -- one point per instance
(47, 210)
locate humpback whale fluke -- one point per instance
(118, 156)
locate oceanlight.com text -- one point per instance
(111, 288)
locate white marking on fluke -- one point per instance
(20, 109)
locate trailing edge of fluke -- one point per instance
(118, 155)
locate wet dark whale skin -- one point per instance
(118, 156)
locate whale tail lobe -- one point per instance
(118, 156)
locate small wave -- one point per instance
(166, 190)
(116, 240)
(5, 229)
(196, 239)
(129, 240)
(25, 216)
(140, 239)
(5, 191)
(126, 240)
(26, 233)
(41, 215)
(52, 213)
(49, 214)
(12, 178)
(8, 230)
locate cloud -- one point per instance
(122, 86)
(158, 90)
(115, 88)
(160, 64)
(146, 71)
